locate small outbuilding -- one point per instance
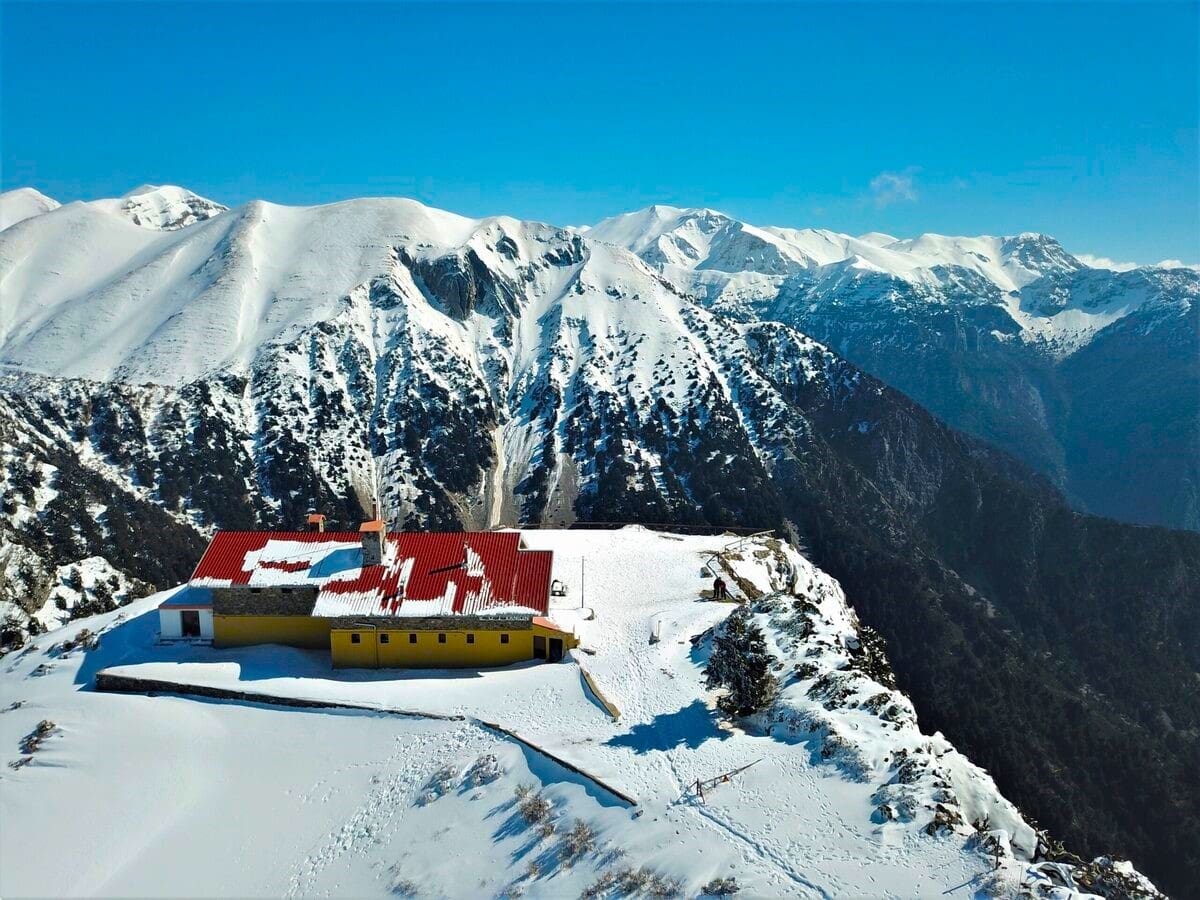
(187, 615)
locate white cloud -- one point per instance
(892, 187)
(1103, 262)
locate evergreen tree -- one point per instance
(74, 580)
(741, 663)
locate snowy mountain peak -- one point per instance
(143, 189)
(1038, 254)
(162, 207)
(878, 238)
(23, 203)
(702, 239)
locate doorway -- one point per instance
(539, 647)
(556, 649)
(189, 623)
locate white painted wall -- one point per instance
(169, 625)
(206, 624)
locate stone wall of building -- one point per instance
(272, 601)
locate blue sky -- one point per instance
(1079, 120)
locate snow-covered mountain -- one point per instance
(706, 240)
(747, 268)
(242, 368)
(1010, 338)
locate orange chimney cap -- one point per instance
(373, 525)
(313, 518)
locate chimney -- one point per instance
(373, 535)
(316, 522)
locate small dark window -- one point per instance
(285, 590)
(383, 639)
(441, 639)
(256, 590)
(412, 638)
(356, 638)
(470, 638)
(504, 638)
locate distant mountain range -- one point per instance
(1089, 375)
(173, 366)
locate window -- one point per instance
(383, 638)
(470, 638)
(256, 590)
(285, 590)
(356, 638)
(441, 639)
(412, 638)
(504, 638)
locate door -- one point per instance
(556, 649)
(539, 647)
(189, 622)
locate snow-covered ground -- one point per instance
(168, 795)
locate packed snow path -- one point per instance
(215, 798)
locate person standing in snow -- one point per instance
(719, 588)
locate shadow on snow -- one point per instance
(688, 727)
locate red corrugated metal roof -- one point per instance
(486, 569)
(226, 554)
(532, 584)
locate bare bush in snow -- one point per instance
(580, 839)
(442, 782)
(720, 887)
(403, 887)
(484, 770)
(33, 741)
(535, 808)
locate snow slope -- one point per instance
(320, 802)
(89, 293)
(23, 203)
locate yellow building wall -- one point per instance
(427, 652)
(345, 654)
(398, 651)
(294, 631)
